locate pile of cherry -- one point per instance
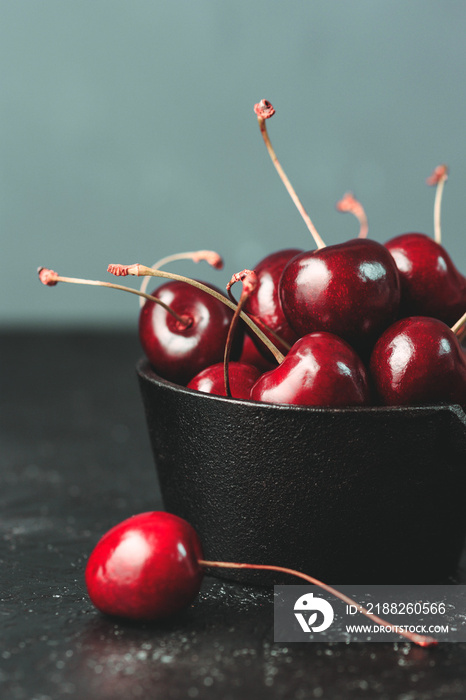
(358, 323)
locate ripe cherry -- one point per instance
(179, 351)
(145, 568)
(150, 566)
(264, 304)
(431, 285)
(184, 336)
(418, 360)
(251, 355)
(321, 369)
(211, 379)
(351, 289)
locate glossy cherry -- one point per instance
(264, 304)
(179, 351)
(321, 369)
(418, 360)
(431, 285)
(351, 289)
(211, 379)
(150, 566)
(145, 568)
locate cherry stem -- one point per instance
(249, 280)
(264, 110)
(50, 278)
(350, 204)
(459, 329)
(438, 177)
(138, 270)
(419, 639)
(210, 256)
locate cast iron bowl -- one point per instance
(348, 495)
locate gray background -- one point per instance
(127, 133)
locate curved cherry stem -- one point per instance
(350, 204)
(138, 270)
(438, 178)
(249, 280)
(50, 279)
(419, 639)
(264, 110)
(210, 256)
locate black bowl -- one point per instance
(349, 495)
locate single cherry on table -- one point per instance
(151, 566)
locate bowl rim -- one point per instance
(146, 372)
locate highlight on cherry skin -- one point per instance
(151, 566)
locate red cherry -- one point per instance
(176, 351)
(430, 283)
(211, 380)
(145, 568)
(264, 302)
(321, 369)
(251, 355)
(419, 360)
(351, 289)
(150, 566)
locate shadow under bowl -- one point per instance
(370, 495)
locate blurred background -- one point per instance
(128, 133)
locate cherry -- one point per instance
(145, 568)
(139, 270)
(321, 369)
(351, 289)
(150, 566)
(431, 285)
(251, 355)
(172, 340)
(264, 304)
(178, 351)
(418, 360)
(242, 376)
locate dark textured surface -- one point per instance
(75, 459)
(273, 484)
